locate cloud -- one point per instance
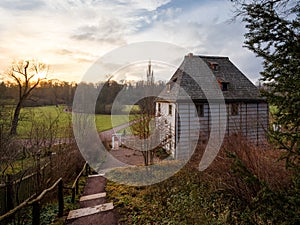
(149, 5)
(138, 71)
(78, 32)
(79, 56)
(21, 4)
(204, 30)
(109, 30)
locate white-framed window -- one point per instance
(159, 108)
(170, 109)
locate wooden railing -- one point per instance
(76, 182)
(36, 206)
(17, 188)
(36, 203)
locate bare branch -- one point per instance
(31, 69)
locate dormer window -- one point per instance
(214, 66)
(223, 84)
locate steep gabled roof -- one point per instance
(238, 86)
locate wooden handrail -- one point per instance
(28, 202)
(11, 212)
(79, 175)
(45, 192)
(75, 184)
(36, 202)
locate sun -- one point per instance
(42, 75)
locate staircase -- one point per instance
(94, 209)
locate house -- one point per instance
(191, 102)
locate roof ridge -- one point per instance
(208, 56)
(211, 56)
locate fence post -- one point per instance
(36, 213)
(87, 169)
(77, 186)
(60, 199)
(9, 193)
(73, 195)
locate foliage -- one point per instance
(273, 34)
(118, 95)
(175, 201)
(266, 206)
(109, 91)
(187, 198)
(161, 153)
(47, 92)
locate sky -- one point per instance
(71, 35)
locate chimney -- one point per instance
(190, 55)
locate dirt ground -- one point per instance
(128, 156)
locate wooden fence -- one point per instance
(16, 188)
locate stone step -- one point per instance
(97, 175)
(90, 210)
(92, 197)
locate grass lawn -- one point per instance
(106, 122)
(62, 120)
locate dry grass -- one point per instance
(248, 169)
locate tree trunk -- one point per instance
(14, 124)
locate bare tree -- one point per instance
(150, 130)
(142, 130)
(27, 74)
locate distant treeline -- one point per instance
(114, 95)
(50, 92)
(55, 92)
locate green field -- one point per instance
(47, 117)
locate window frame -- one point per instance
(224, 86)
(159, 107)
(170, 110)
